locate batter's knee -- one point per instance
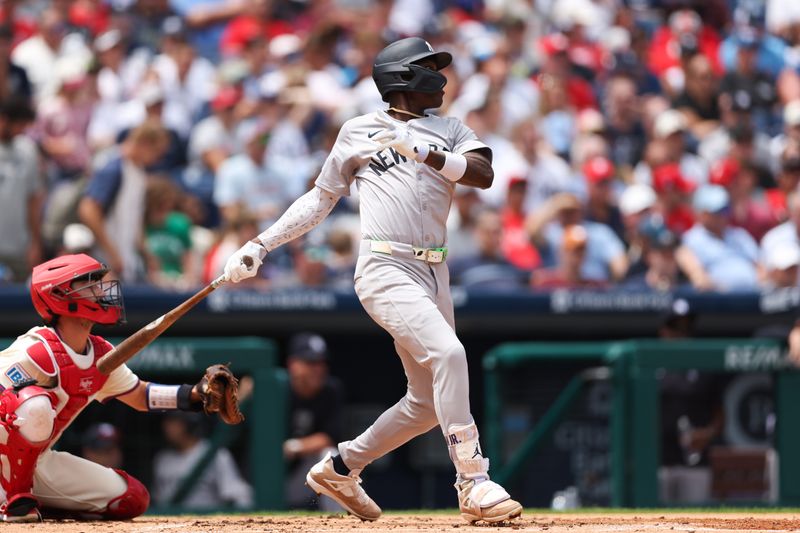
(454, 357)
(131, 503)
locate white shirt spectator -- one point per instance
(119, 86)
(288, 158)
(781, 14)
(209, 133)
(117, 107)
(240, 181)
(39, 60)
(547, 176)
(519, 99)
(782, 235)
(366, 99)
(717, 144)
(326, 89)
(409, 17)
(184, 99)
(507, 163)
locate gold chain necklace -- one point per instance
(404, 112)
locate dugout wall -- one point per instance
(588, 415)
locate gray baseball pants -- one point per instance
(411, 300)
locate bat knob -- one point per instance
(248, 262)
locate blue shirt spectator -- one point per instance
(113, 204)
(770, 54)
(243, 182)
(487, 268)
(727, 255)
(207, 20)
(603, 247)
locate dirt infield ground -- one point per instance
(421, 523)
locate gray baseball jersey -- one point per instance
(405, 202)
(400, 200)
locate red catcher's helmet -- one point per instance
(54, 290)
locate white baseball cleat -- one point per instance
(344, 490)
(485, 500)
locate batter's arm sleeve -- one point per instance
(303, 215)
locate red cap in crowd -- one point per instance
(226, 97)
(555, 43)
(668, 177)
(517, 180)
(724, 171)
(598, 169)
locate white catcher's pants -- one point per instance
(64, 481)
(411, 300)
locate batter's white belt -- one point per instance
(404, 251)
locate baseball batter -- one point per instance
(406, 164)
(47, 377)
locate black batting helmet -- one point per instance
(395, 67)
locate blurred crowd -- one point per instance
(637, 143)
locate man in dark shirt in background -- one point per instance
(692, 418)
(315, 417)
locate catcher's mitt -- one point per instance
(219, 390)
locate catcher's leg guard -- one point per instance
(479, 498)
(131, 503)
(26, 426)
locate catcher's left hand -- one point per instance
(219, 390)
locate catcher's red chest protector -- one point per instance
(79, 384)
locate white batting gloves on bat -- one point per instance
(244, 262)
(398, 137)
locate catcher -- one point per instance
(49, 374)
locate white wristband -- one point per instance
(421, 153)
(160, 397)
(455, 165)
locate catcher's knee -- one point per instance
(35, 418)
(30, 411)
(131, 503)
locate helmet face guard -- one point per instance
(91, 291)
(424, 80)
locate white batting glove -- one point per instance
(244, 262)
(398, 137)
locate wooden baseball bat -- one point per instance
(133, 344)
